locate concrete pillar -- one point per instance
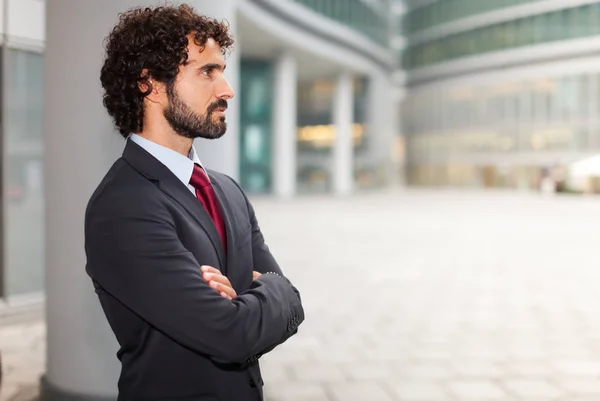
(343, 118)
(80, 145)
(382, 120)
(284, 126)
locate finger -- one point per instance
(255, 275)
(223, 288)
(210, 269)
(218, 278)
(225, 295)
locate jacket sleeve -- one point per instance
(264, 262)
(134, 253)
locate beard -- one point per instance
(189, 124)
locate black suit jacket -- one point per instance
(146, 236)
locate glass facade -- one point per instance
(564, 24)
(444, 11)
(369, 19)
(23, 175)
(255, 125)
(316, 135)
(460, 135)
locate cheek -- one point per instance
(200, 97)
(196, 94)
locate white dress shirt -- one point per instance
(179, 165)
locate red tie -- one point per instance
(206, 195)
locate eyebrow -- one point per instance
(213, 66)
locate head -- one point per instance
(164, 67)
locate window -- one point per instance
(565, 24)
(24, 219)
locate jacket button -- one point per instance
(252, 384)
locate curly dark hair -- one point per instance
(150, 42)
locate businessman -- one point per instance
(174, 250)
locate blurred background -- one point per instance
(367, 131)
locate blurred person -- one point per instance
(174, 250)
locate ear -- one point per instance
(145, 83)
(146, 87)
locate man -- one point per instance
(175, 253)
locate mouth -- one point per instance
(220, 111)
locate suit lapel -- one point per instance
(154, 170)
(182, 195)
(229, 227)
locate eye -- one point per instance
(207, 72)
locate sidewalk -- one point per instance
(23, 357)
(423, 296)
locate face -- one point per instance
(198, 99)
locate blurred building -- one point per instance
(499, 92)
(314, 112)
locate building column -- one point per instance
(382, 120)
(80, 145)
(343, 149)
(285, 126)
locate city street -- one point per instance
(422, 295)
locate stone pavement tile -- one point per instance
(25, 374)
(27, 393)
(419, 390)
(387, 354)
(8, 392)
(305, 341)
(274, 372)
(296, 392)
(476, 390)
(581, 367)
(528, 369)
(486, 353)
(367, 371)
(316, 373)
(359, 392)
(582, 399)
(470, 369)
(287, 355)
(429, 370)
(532, 388)
(338, 354)
(580, 387)
(527, 353)
(433, 353)
(569, 350)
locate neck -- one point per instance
(162, 134)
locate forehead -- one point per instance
(210, 51)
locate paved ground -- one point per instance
(420, 295)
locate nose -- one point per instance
(225, 91)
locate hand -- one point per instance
(255, 275)
(218, 281)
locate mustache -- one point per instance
(221, 103)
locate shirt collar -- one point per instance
(181, 166)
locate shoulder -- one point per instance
(123, 190)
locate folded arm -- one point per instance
(264, 262)
(134, 253)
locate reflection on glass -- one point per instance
(570, 23)
(255, 130)
(24, 184)
(486, 126)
